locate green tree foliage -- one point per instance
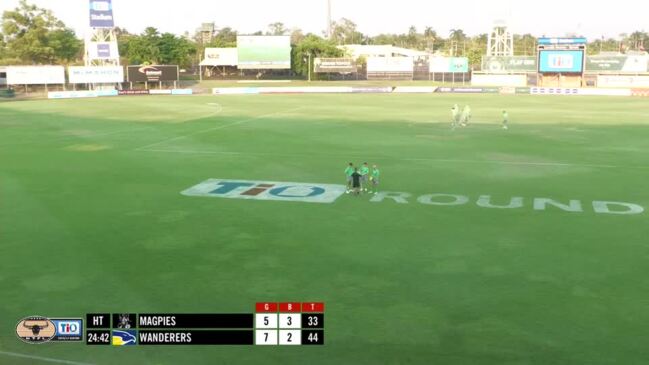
(475, 57)
(525, 45)
(67, 48)
(345, 31)
(224, 38)
(175, 50)
(123, 40)
(3, 45)
(430, 36)
(276, 28)
(315, 46)
(296, 36)
(151, 47)
(456, 45)
(33, 35)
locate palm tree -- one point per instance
(637, 38)
(430, 36)
(456, 36)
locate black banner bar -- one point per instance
(195, 337)
(186, 320)
(98, 337)
(312, 337)
(98, 320)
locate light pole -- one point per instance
(308, 60)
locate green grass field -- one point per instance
(92, 220)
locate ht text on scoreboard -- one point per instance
(292, 323)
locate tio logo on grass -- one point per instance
(267, 190)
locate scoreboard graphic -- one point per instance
(272, 324)
(568, 61)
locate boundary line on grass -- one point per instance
(243, 121)
(41, 358)
(502, 162)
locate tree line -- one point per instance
(33, 35)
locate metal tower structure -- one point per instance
(501, 41)
(207, 32)
(101, 48)
(101, 39)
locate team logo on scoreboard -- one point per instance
(267, 190)
(68, 329)
(560, 61)
(35, 329)
(124, 321)
(124, 337)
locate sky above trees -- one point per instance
(548, 17)
(35, 35)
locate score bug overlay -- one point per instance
(289, 323)
(272, 324)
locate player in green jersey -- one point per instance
(375, 179)
(348, 174)
(365, 174)
(505, 119)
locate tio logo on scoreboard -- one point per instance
(38, 329)
(267, 190)
(68, 329)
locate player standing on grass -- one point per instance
(356, 182)
(505, 119)
(455, 112)
(466, 115)
(349, 171)
(365, 173)
(375, 179)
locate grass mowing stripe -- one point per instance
(217, 128)
(91, 135)
(45, 359)
(519, 163)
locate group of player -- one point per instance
(362, 180)
(463, 118)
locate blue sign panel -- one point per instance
(554, 41)
(101, 14)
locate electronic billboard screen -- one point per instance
(264, 52)
(561, 61)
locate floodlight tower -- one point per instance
(101, 39)
(501, 40)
